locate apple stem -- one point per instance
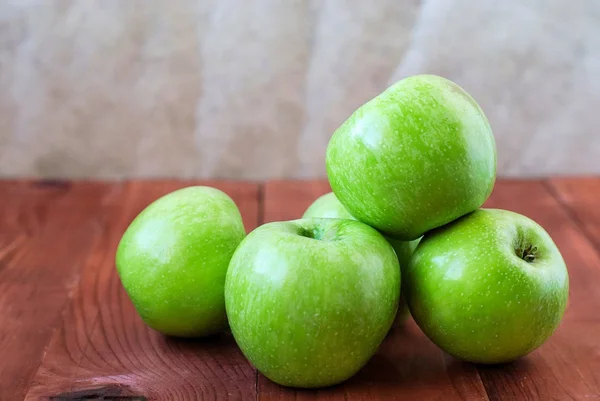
(319, 234)
(527, 253)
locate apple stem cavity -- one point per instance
(527, 253)
(319, 234)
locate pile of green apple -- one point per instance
(309, 301)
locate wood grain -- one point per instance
(407, 366)
(46, 232)
(581, 196)
(103, 343)
(57, 243)
(566, 367)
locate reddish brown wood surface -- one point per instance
(67, 329)
(47, 230)
(102, 342)
(580, 196)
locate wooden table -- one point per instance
(68, 331)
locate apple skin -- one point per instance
(404, 251)
(310, 300)
(421, 153)
(173, 258)
(473, 296)
(328, 206)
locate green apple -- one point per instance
(404, 251)
(173, 258)
(489, 287)
(328, 206)
(310, 300)
(416, 157)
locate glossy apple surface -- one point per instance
(417, 156)
(489, 287)
(173, 258)
(310, 300)
(328, 206)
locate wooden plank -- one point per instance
(102, 344)
(565, 368)
(104, 348)
(407, 366)
(568, 365)
(581, 196)
(46, 231)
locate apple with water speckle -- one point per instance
(328, 206)
(173, 258)
(309, 301)
(489, 287)
(416, 157)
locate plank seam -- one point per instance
(571, 215)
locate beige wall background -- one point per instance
(254, 89)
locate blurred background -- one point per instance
(253, 89)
